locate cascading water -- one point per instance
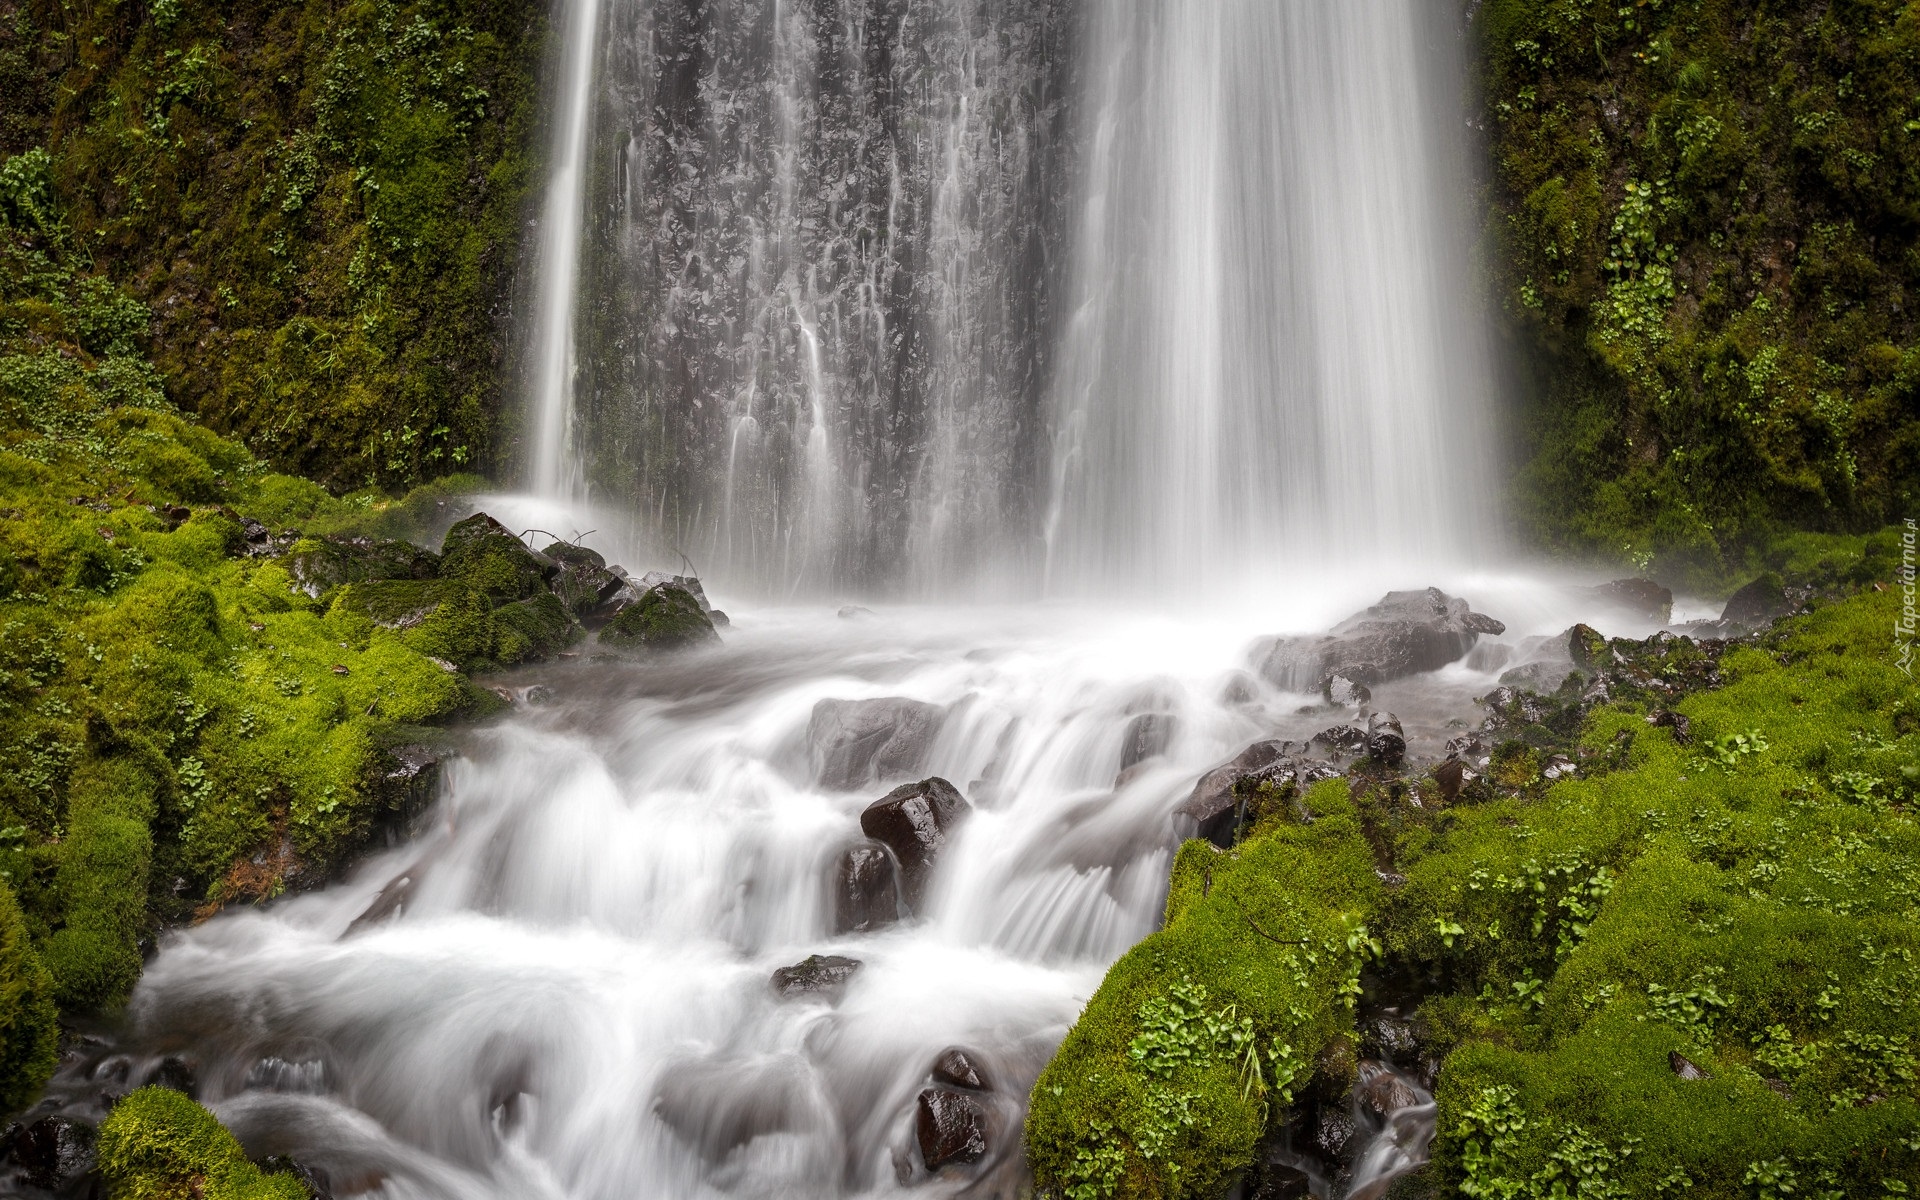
(814, 317)
(1271, 362)
(799, 267)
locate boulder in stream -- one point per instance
(1386, 740)
(817, 974)
(1147, 736)
(53, 1152)
(951, 1127)
(1213, 804)
(667, 617)
(583, 583)
(1404, 634)
(484, 555)
(1757, 604)
(959, 1068)
(857, 742)
(914, 821)
(866, 889)
(1641, 598)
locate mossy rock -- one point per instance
(319, 565)
(29, 1022)
(667, 617)
(480, 553)
(535, 628)
(1200, 1037)
(158, 1144)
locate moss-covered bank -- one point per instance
(1704, 237)
(1691, 968)
(317, 204)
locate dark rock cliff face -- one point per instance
(818, 287)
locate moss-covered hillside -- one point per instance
(1705, 234)
(316, 202)
(1690, 968)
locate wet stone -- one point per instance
(817, 974)
(957, 1067)
(1386, 740)
(858, 742)
(175, 1074)
(1685, 1067)
(53, 1152)
(1147, 736)
(866, 892)
(915, 821)
(950, 1127)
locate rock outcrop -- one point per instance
(915, 821)
(1405, 634)
(859, 742)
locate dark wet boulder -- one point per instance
(951, 1127)
(1381, 1090)
(955, 1066)
(915, 821)
(53, 1152)
(666, 618)
(176, 1075)
(1386, 740)
(1342, 739)
(858, 742)
(816, 975)
(482, 554)
(1345, 692)
(1759, 603)
(866, 889)
(583, 583)
(1405, 634)
(1453, 778)
(1147, 736)
(1641, 598)
(1214, 803)
(319, 565)
(1587, 649)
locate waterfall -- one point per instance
(555, 473)
(974, 298)
(1271, 361)
(813, 320)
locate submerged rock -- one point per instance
(866, 889)
(817, 974)
(957, 1067)
(950, 1127)
(915, 821)
(858, 742)
(668, 617)
(1405, 634)
(1147, 736)
(53, 1152)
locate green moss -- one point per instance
(100, 883)
(1199, 1036)
(313, 211)
(1701, 229)
(29, 1030)
(667, 617)
(159, 1145)
(481, 554)
(1746, 901)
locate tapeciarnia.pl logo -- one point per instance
(1904, 624)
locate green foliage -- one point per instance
(1702, 228)
(1748, 901)
(311, 212)
(1194, 1044)
(29, 1029)
(159, 1145)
